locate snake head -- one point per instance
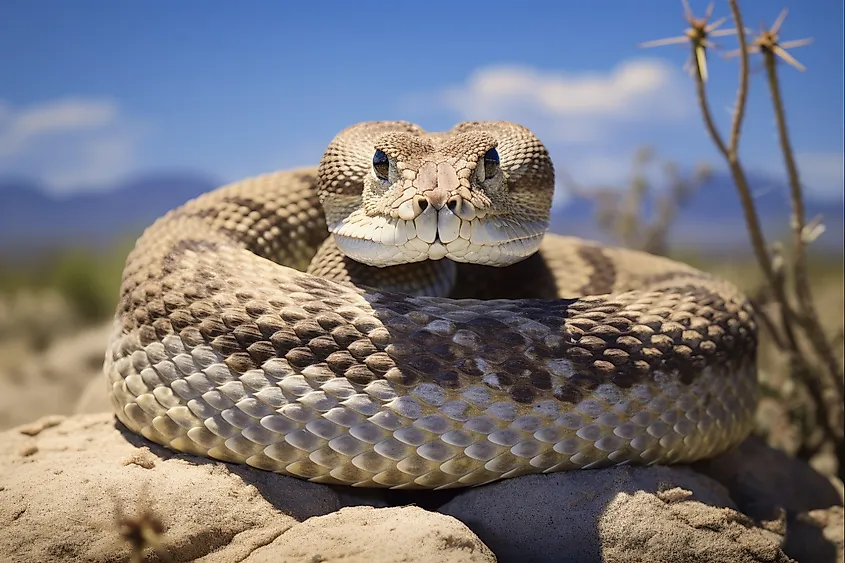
(395, 194)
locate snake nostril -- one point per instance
(453, 205)
(423, 204)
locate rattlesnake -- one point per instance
(481, 350)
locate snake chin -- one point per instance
(436, 234)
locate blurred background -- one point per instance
(112, 113)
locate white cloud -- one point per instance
(67, 144)
(591, 172)
(575, 107)
(823, 173)
(601, 170)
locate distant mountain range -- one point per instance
(713, 220)
(31, 220)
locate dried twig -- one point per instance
(697, 35)
(768, 45)
(825, 389)
(622, 213)
(143, 530)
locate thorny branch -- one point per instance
(824, 385)
(623, 215)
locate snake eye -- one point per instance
(381, 164)
(491, 163)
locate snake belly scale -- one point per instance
(398, 317)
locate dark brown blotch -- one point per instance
(522, 394)
(569, 393)
(345, 335)
(486, 327)
(541, 379)
(587, 380)
(448, 379)
(301, 357)
(516, 366)
(323, 346)
(625, 379)
(688, 375)
(308, 329)
(261, 351)
(494, 353)
(240, 362)
(285, 340)
(340, 361)
(247, 334)
(469, 367)
(172, 261)
(226, 345)
(359, 374)
(603, 270)
(423, 364)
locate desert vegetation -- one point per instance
(785, 303)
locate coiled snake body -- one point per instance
(435, 339)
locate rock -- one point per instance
(826, 524)
(64, 486)
(365, 535)
(767, 484)
(762, 479)
(619, 514)
(646, 527)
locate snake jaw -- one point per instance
(435, 234)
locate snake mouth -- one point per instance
(435, 234)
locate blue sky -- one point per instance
(93, 92)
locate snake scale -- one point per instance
(398, 317)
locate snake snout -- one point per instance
(417, 205)
(436, 184)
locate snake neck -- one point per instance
(432, 278)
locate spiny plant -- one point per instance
(639, 216)
(795, 326)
